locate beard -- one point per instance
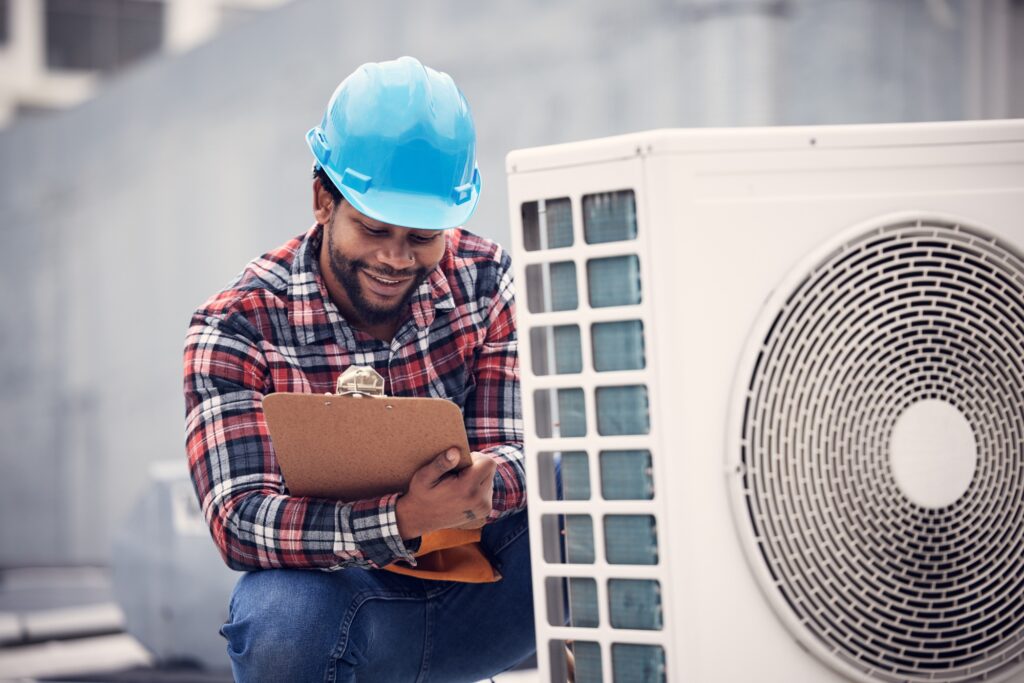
(346, 270)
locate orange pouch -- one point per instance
(450, 555)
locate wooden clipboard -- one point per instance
(356, 444)
(359, 444)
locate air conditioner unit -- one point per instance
(773, 390)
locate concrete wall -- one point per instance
(119, 217)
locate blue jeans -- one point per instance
(368, 625)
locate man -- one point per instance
(384, 279)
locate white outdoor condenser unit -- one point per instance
(773, 394)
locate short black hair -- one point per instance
(325, 182)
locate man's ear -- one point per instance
(323, 203)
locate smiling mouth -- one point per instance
(384, 280)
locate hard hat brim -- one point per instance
(405, 209)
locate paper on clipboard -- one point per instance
(358, 443)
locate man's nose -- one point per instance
(397, 255)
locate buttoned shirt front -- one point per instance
(274, 328)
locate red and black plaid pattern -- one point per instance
(275, 329)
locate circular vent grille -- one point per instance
(879, 584)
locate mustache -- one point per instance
(387, 271)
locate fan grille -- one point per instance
(872, 581)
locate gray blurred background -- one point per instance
(150, 149)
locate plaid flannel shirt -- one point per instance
(275, 329)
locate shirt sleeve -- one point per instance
(241, 491)
(493, 411)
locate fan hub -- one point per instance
(933, 453)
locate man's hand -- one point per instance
(436, 501)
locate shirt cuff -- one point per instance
(371, 528)
(505, 452)
(400, 549)
(509, 484)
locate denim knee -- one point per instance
(283, 625)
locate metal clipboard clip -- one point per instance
(358, 381)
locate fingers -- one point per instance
(485, 467)
(439, 497)
(471, 492)
(428, 475)
(446, 460)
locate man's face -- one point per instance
(378, 265)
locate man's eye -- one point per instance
(374, 231)
(423, 239)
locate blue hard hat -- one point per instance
(398, 141)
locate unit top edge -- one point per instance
(682, 140)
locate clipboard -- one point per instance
(358, 443)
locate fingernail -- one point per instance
(452, 454)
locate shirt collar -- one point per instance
(313, 315)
